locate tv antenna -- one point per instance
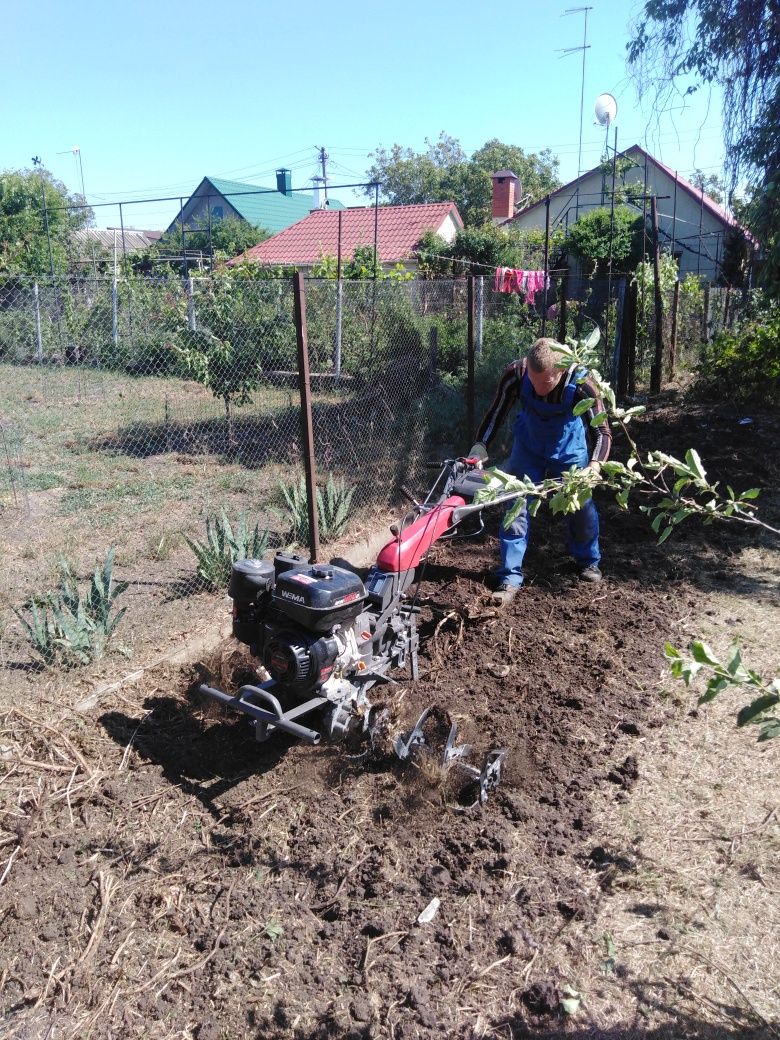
(573, 50)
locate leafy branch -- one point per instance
(679, 487)
(731, 674)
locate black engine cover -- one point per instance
(318, 596)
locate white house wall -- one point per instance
(449, 229)
(685, 227)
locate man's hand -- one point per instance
(478, 451)
(594, 467)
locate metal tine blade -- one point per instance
(403, 747)
(450, 751)
(490, 776)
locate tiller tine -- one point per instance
(490, 776)
(403, 747)
(486, 779)
(454, 755)
(450, 751)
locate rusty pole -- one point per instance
(656, 369)
(307, 426)
(470, 359)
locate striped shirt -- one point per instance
(508, 393)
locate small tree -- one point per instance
(601, 238)
(215, 353)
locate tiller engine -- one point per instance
(326, 637)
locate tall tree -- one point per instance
(29, 201)
(683, 45)
(710, 183)
(445, 172)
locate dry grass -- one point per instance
(689, 926)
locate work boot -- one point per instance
(590, 573)
(504, 594)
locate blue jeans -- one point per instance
(582, 526)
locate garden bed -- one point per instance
(162, 874)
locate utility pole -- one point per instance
(38, 164)
(324, 179)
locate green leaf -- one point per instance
(694, 464)
(751, 493)
(702, 654)
(598, 419)
(591, 341)
(671, 652)
(583, 406)
(664, 535)
(715, 686)
(571, 1000)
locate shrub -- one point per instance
(745, 361)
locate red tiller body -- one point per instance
(408, 547)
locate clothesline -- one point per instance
(487, 267)
(515, 279)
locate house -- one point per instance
(271, 209)
(691, 226)
(396, 229)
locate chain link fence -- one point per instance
(133, 409)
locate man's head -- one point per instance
(542, 359)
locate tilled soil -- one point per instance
(163, 875)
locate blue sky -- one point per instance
(158, 94)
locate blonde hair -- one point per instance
(544, 355)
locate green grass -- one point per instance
(43, 480)
(138, 495)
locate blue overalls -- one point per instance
(548, 439)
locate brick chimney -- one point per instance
(506, 188)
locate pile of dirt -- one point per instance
(157, 865)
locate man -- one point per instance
(548, 439)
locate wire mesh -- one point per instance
(134, 408)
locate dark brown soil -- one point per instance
(169, 877)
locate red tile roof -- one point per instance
(399, 230)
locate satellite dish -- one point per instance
(605, 109)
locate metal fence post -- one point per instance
(626, 382)
(470, 359)
(656, 369)
(617, 351)
(339, 311)
(38, 335)
(672, 369)
(190, 306)
(562, 313)
(115, 312)
(307, 425)
(479, 314)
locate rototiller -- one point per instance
(327, 638)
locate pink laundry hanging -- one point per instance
(536, 282)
